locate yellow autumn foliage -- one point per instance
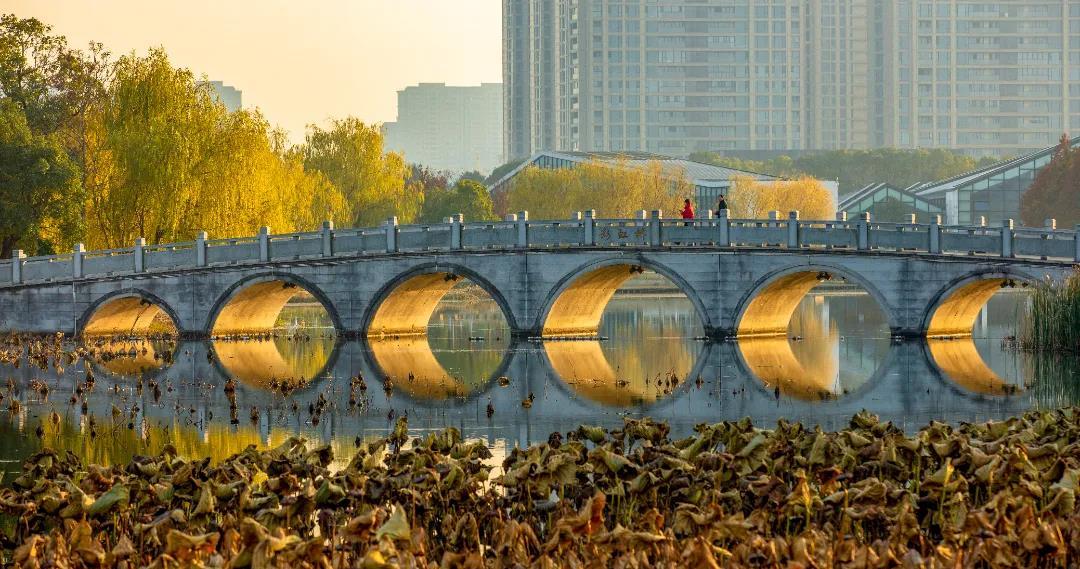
(614, 190)
(752, 199)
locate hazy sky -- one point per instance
(300, 61)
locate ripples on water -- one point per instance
(837, 359)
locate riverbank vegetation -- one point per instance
(999, 494)
(1054, 323)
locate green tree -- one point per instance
(473, 175)
(1055, 193)
(467, 197)
(39, 188)
(350, 154)
(502, 170)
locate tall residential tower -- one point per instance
(678, 76)
(449, 128)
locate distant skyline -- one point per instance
(300, 63)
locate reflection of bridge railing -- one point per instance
(583, 230)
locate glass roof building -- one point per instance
(887, 203)
(992, 193)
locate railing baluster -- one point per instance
(793, 230)
(523, 229)
(77, 260)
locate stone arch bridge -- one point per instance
(550, 278)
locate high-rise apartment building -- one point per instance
(449, 128)
(677, 76)
(229, 96)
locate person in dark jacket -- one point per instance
(722, 204)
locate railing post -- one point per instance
(590, 227)
(200, 249)
(935, 235)
(77, 254)
(523, 229)
(654, 227)
(642, 214)
(841, 216)
(1076, 237)
(864, 231)
(455, 230)
(140, 250)
(17, 257)
(328, 239)
(1007, 238)
(264, 244)
(710, 214)
(724, 225)
(391, 234)
(793, 230)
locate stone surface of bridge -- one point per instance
(550, 278)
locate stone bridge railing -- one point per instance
(583, 230)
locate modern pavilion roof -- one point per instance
(930, 188)
(700, 173)
(882, 188)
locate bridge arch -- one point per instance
(253, 303)
(404, 306)
(126, 311)
(766, 309)
(955, 307)
(576, 303)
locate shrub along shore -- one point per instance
(998, 494)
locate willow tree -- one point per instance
(617, 189)
(350, 154)
(753, 199)
(166, 159)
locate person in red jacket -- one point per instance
(687, 210)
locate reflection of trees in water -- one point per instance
(115, 443)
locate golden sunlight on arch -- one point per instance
(128, 315)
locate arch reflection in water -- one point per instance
(651, 350)
(262, 363)
(978, 361)
(813, 360)
(463, 350)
